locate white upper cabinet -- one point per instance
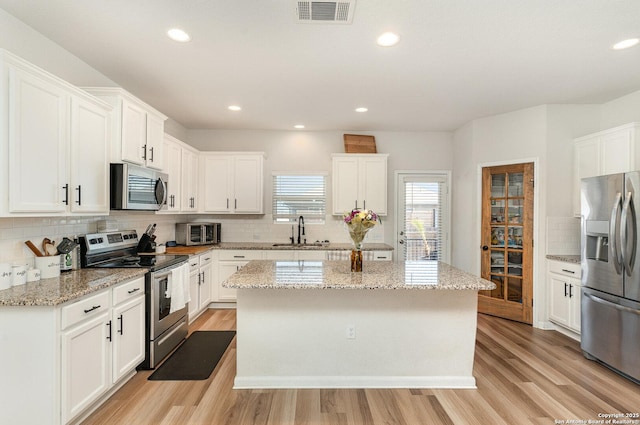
(359, 181)
(138, 129)
(607, 152)
(38, 137)
(53, 155)
(90, 136)
(189, 183)
(173, 167)
(232, 183)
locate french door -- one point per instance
(423, 216)
(507, 241)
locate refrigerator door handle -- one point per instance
(612, 305)
(614, 234)
(628, 252)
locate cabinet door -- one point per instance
(173, 167)
(155, 146)
(194, 293)
(189, 180)
(216, 183)
(286, 255)
(345, 184)
(205, 286)
(617, 152)
(134, 133)
(575, 304)
(226, 269)
(248, 182)
(86, 360)
(559, 301)
(128, 336)
(372, 183)
(38, 134)
(90, 137)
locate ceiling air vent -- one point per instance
(328, 12)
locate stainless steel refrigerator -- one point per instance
(610, 304)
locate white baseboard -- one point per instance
(281, 382)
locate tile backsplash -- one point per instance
(563, 236)
(15, 231)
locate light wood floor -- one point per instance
(524, 376)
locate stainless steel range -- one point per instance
(165, 327)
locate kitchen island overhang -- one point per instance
(315, 324)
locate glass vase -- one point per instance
(356, 260)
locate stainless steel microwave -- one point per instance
(137, 188)
(198, 233)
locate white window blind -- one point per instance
(299, 195)
(424, 199)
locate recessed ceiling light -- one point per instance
(362, 109)
(388, 39)
(235, 108)
(177, 34)
(298, 126)
(625, 44)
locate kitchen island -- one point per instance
(315, 324)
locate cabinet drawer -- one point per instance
(382, 255)
(312, 255)
(194, 262)
(85, 308)
(236, 255)
(565, 269)
(206, 258)
(128, 290)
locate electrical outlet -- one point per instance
(351, 331)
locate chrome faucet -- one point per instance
(300, 226)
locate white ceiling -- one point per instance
(457, 59)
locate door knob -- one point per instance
(401, 242)
(484, 247)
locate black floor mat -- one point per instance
(196, 358)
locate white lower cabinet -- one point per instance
(63, 359)
(200, 283)
(565, 292)
(128, 327)
(230, 261)
(86, 359)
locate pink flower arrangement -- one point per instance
(359, 222)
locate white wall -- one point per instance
(620, 111)
(24, 41)
(293, 151)
(544, 134)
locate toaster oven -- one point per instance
(198, 233)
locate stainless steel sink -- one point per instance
(299, 245)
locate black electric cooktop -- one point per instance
(151, 262)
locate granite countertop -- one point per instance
(261, 274)
(276, 246)
(67, 287)
(574, 259)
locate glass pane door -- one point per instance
(507, 245)
(422, 220)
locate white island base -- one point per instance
(354, 338)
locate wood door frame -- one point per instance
(539, 290)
